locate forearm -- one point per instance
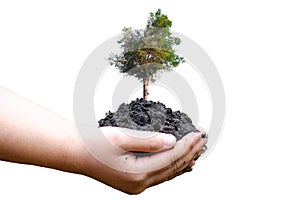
(30, 134)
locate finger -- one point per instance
(164, 159)
(141, 141)
(202, 151)
(204, 137)
(204, 134)
(187, 160)
(180, 166)
(192, 163)
(177, 168)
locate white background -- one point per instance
(255, 46)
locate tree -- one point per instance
(145, 53)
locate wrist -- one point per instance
(79, 160)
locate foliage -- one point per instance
(146, 52)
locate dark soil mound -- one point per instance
(149, 116)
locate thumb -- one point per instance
(158, 142)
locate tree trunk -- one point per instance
(145, 87)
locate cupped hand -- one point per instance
(122, 168)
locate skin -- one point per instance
(30, 134)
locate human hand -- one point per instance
(126, 171)
(106, 156)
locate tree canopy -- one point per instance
(146, 52)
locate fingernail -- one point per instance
(204, 135)
(169, 140)
(195, 159)
(192, 163)
(188, 169)
(204, 148)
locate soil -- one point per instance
(146, 115)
